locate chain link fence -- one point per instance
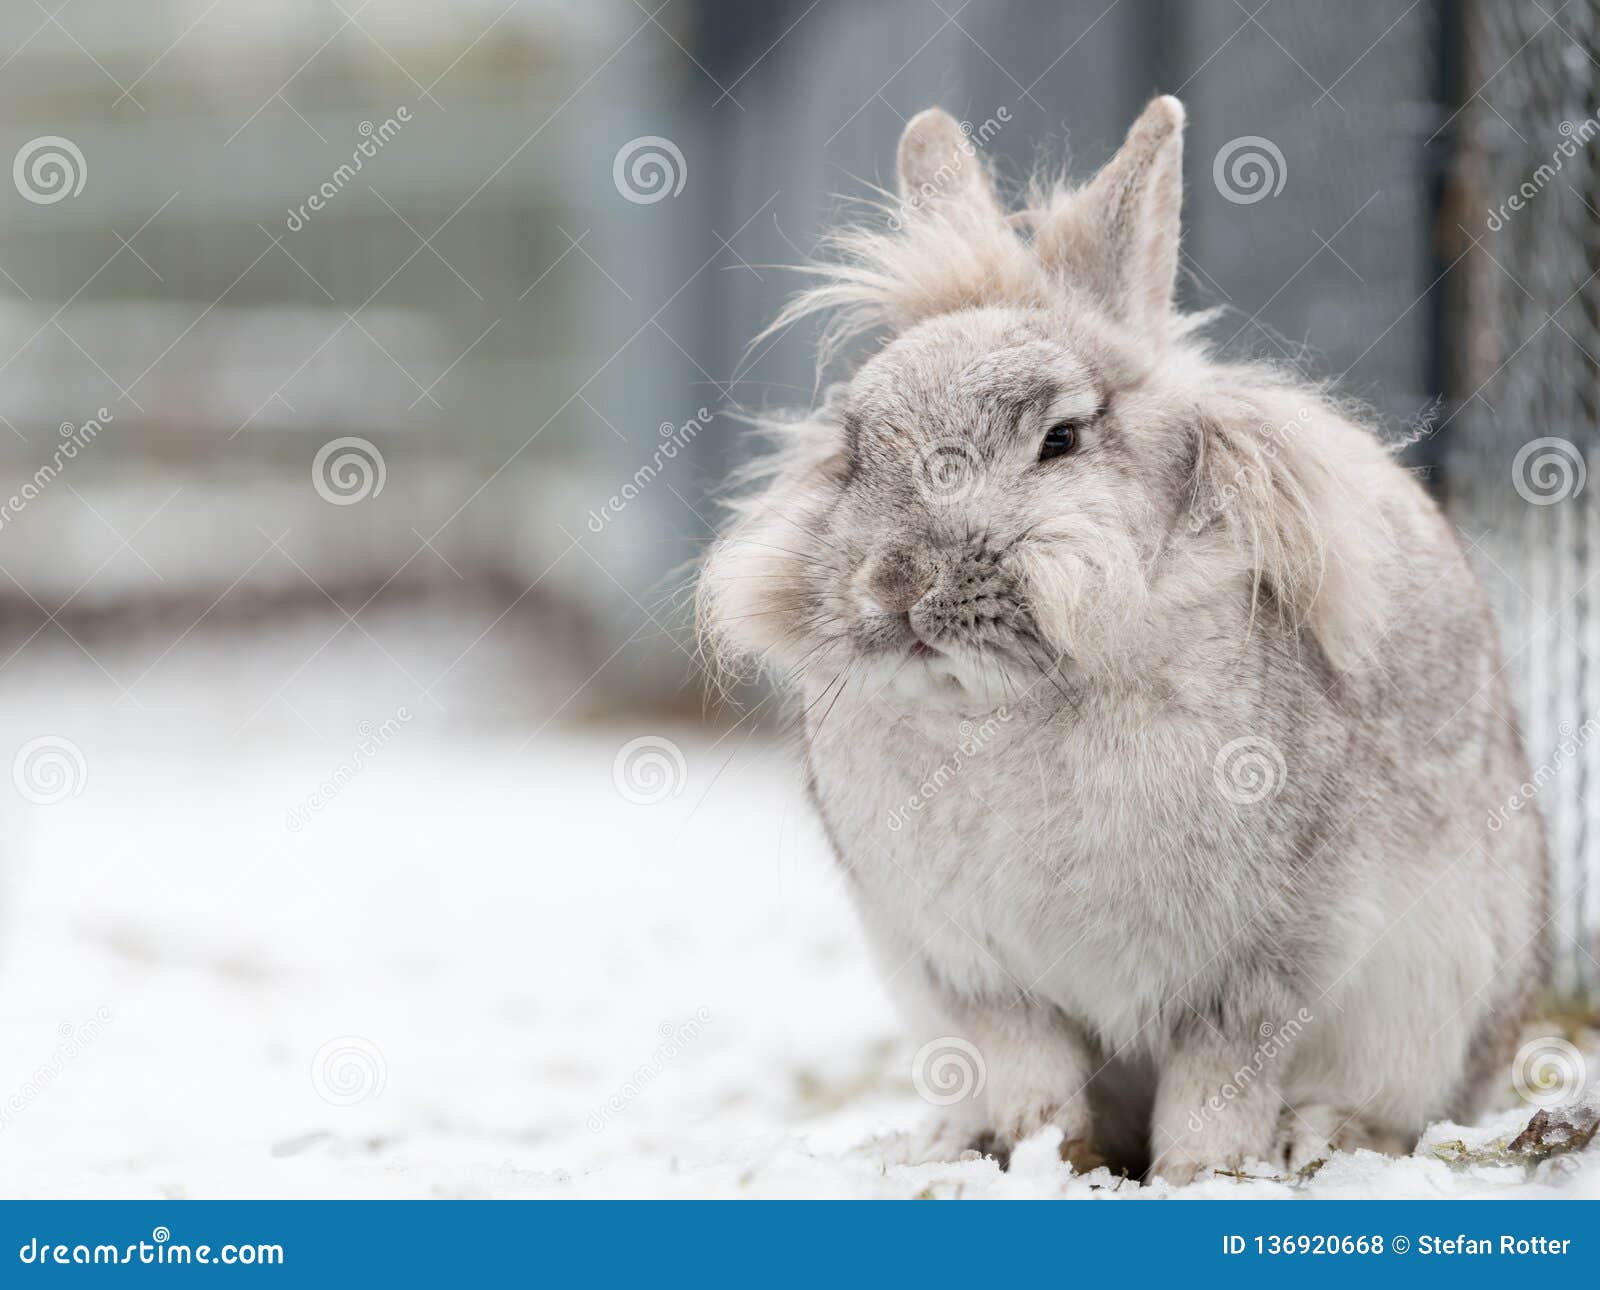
(1522, 453)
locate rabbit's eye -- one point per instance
(1059, 440)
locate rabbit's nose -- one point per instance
(894, 581)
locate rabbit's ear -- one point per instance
(1118, 236)
(939, 167)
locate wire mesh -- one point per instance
(1524, 451)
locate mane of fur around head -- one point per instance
(774, 503)
(1278, 467)
(922, 264)
(949, 244)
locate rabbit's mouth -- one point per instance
(892, 636)
(962, 676)
(972, 672)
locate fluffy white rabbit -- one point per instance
(1151, 708)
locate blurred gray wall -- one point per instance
(434, 305)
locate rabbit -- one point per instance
(1150, 707)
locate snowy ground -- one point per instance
(477, 971)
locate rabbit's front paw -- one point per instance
(947, 1137)
(1310, 1134)
(1021, 1116)
(1177, 1168)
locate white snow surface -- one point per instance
(530, 986)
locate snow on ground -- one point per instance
(476, 971)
